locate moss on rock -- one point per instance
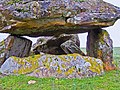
(99, 45)
(61, 66)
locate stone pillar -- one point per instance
(100, 45)
(14, 46)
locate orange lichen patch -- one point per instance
(108, 67)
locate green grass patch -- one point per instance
(116, 53)
(108, 81)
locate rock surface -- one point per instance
(14, 46)
(2, 52)
(48, 17)
(59, 66)
(100, 45)
(62, 44)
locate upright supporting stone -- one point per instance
(14, 46)
(99, 45)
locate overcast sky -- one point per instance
(114, 31)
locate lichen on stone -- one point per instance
(28, 64)
(65, 66)
(100, 46)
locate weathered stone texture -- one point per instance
(48, 17)
(59, 66)
(100, 45)
(70, 47)
(2, 52)
(51, 18)
(62, 44)
(14, 46)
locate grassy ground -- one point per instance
(108, 81)
(116, 53)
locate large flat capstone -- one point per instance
(50, 17)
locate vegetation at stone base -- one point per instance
(108, 81)
(116, 52)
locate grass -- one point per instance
(116, 54)
(108, 81)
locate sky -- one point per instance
(114, 31)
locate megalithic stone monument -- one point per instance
(36, 18)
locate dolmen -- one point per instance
(57, 52)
